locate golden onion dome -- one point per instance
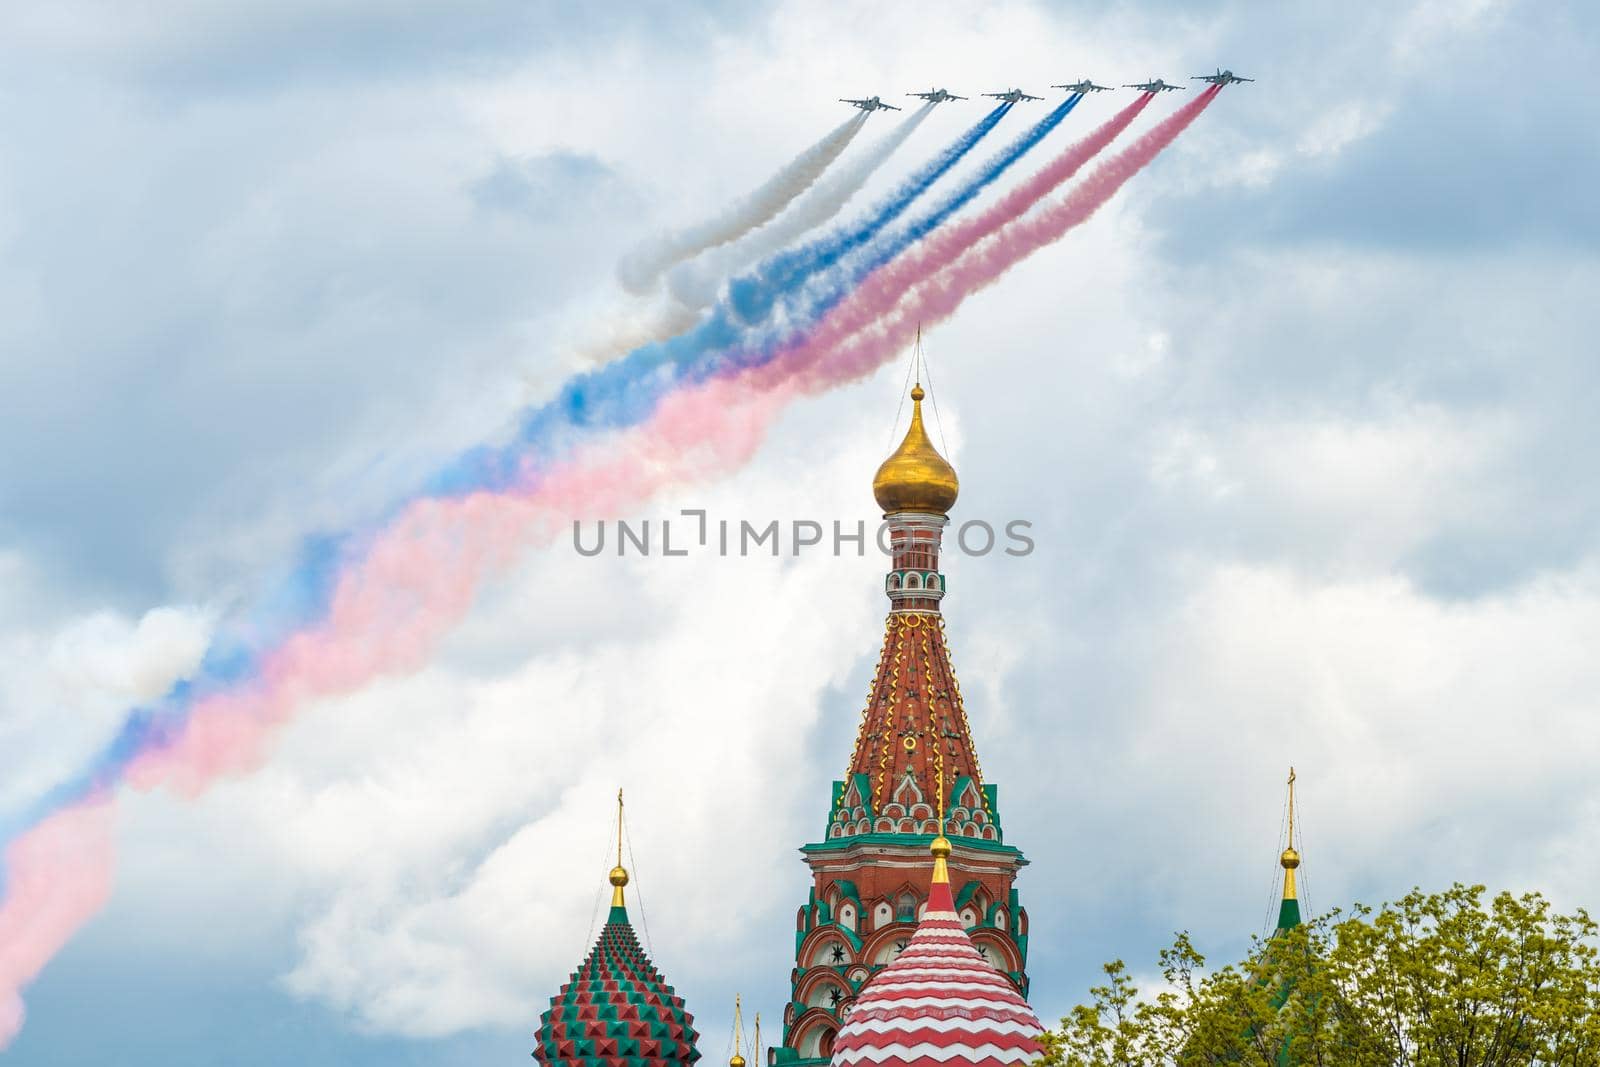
(916, 477)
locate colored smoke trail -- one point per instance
(389, 612)
(623, 392)
(695, 284)
(884, 251)
(614, 396)
(58, 876)
(890, 278)
(420, 575)
(985, 177)
(881, 316)
(754, 293)
(640, 271)
(417, 576)
(618, 395)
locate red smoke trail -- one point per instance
(389, 611)
(421, 574)
(894, 279)
(58, 875)
(880, 317)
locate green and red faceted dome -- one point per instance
(616, 1010)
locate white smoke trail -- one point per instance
(640, 270)
(695, 284)
(627, 326)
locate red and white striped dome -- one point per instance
(940, 1004)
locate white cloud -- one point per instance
(448, 834)
(1231, 461)
(65, 687)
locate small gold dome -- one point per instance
(619, 876)
(736, 1061)
(940, 847)
(1290, 859)
(916, 477)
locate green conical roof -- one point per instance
(616, 1010)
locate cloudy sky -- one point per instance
(1303, 421)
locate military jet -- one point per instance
(1084, 86)
(1013, 96)
(1221, 77)
(937, 96)
(871, 103)
(1154, 86)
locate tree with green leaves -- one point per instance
(1442, 980)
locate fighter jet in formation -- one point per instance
(1013, 96)
(1084, 86)
(1221, 77)
(1081, 87)
(1155, 85)
(871, 103)
(937, 96)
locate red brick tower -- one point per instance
(914, 765)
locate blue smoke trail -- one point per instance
(879, 253)
(965, 194)
(753, 295)
(620, 394)
(625, 391)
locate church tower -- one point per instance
(913, 771)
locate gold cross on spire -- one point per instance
(737, 1059)
(619, 873)
(1290, 858)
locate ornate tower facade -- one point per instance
(914, 769)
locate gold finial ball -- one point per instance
(736, 1061)
(619, 876)
(940, 847)
(917, 394)
(1290, 859)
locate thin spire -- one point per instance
(1289, 909)
(917, 355)
(738, 1034)
(619, 873)
(757, 1047)
(941, 870)
(1290, 858)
